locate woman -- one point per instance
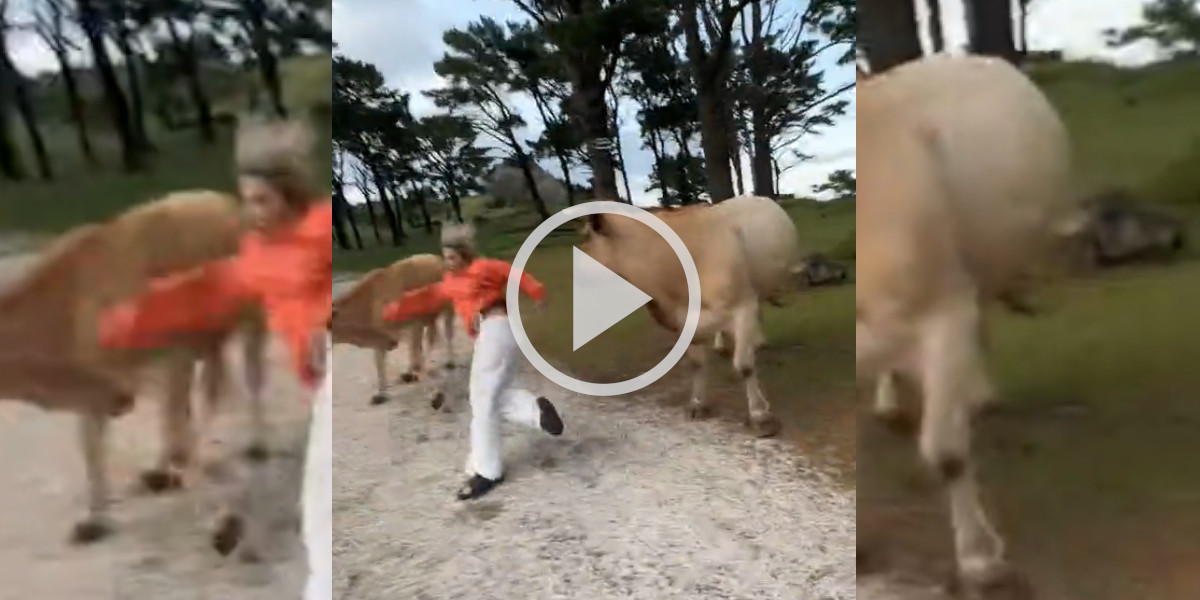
(476, 288)
(284, 265)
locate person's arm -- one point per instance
(420, 302)
(200, 299)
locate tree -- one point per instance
(92, 21)
(711, 66)
(842, 184)
(448, 145)
(657, 78)
(1171, 25)
(11, 166)
(592, 36)
(937, 28)
(50, 24)
(480, 75)
(184, 42)
(542, 73)
(990, 28)
(887, 33)
(365, 115)
(785, 93)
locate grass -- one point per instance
(81, 194)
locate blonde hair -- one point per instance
(459, 237)
(279, 152)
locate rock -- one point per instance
(1124, 229)
(820, 270)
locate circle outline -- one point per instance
(691, 274)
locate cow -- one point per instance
(746, 251)
(965, 199)
(52, 311)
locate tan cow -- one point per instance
(52, 311)
(964, 196)
(358, 321)
(746, 252)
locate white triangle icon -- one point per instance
(600, 298)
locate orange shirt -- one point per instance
(480, 285)
(290, 273)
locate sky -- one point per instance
(403, 39)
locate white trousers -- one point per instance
(493, 368)
(316, 499)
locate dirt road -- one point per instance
(632, 502)
(160, 551)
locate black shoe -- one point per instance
(550, 421)
(477, 486)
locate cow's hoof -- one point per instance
(898, 421)
(697, 413)
(256, 452)
(765, 427)
(90, 531)
(227, 534)
(438, 401)
(160, 481)
(996, 582)
(378, 399)
(408, 377)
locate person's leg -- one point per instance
(518, 405)
(489, 376)
(317, 495)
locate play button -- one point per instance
(599, 298)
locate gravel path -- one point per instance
(160, 551)
(632, 502)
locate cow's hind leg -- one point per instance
(178, 436)
(380, 396)
(698, 406)
(416, 354)
(953, 382)
(747, 338)
(93, 434)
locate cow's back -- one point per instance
(963, 156)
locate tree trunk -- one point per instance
(340, 208)
(91, 20)
(657, 151)
(760, 137)
(75, 104)
(709, 68)
(29, 118)
(137, 104)
(186, 53)
(455, 199)
(887, 32)
(1023, 7)
(268, 64)
(362, 188)
(593, 114)
(527, 170)
(990, 28)
(937, 30)
(423, 206)
(389, 212)
(687, 194)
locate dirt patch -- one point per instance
(632, 502)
